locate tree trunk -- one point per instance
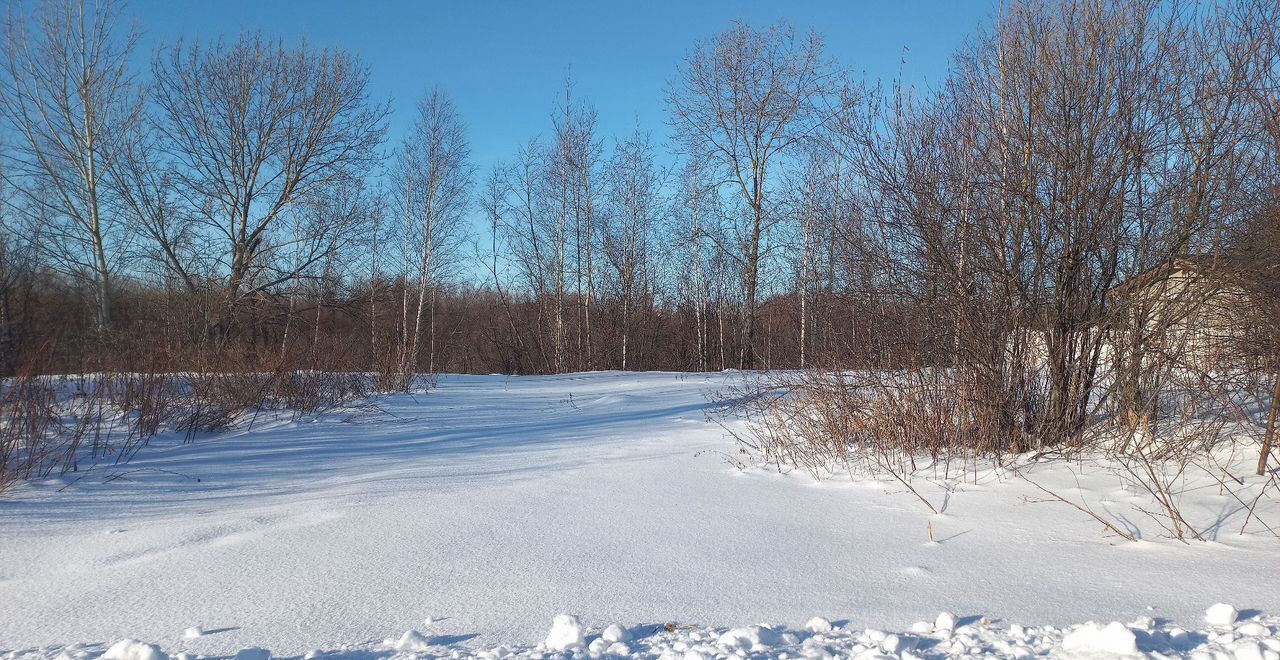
(1268, 441)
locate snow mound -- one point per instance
(894, 644)
(1113, 639)
(1253, 629)
(566, 633)
(945, 621)
(615, 633)
(1251, 650)
(193, 632)
(750, 637)
(412, 641)
(818, 625)
(1221, 614)
(132, 649)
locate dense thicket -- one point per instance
(1084, 213)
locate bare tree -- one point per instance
(570, 198)
(742, 102)
(496, 204)
(432, 178)
(14, 272)
(814, 201)
(145, 182)
(547, 213)
(535, 246)
(69, 98)
(254, 128)
(634, 201)
(1257, 254)
(349, 212)
(1078, 144)
(692, 210)
(1257, 24)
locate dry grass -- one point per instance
(942, 423)
(833, 421)
(55, 425)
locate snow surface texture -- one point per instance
(493, 504)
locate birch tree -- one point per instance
(68, 97)
(572, 192)
(432, 178)
(692, 209)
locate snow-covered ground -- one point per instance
(473, 515)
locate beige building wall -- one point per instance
(1195, 319)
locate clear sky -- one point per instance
(504, 62)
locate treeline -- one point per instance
(240, 205)
(233, 207)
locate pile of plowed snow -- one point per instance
(1225, 635)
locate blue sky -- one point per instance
(504, 62)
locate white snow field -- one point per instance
(463, 521)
